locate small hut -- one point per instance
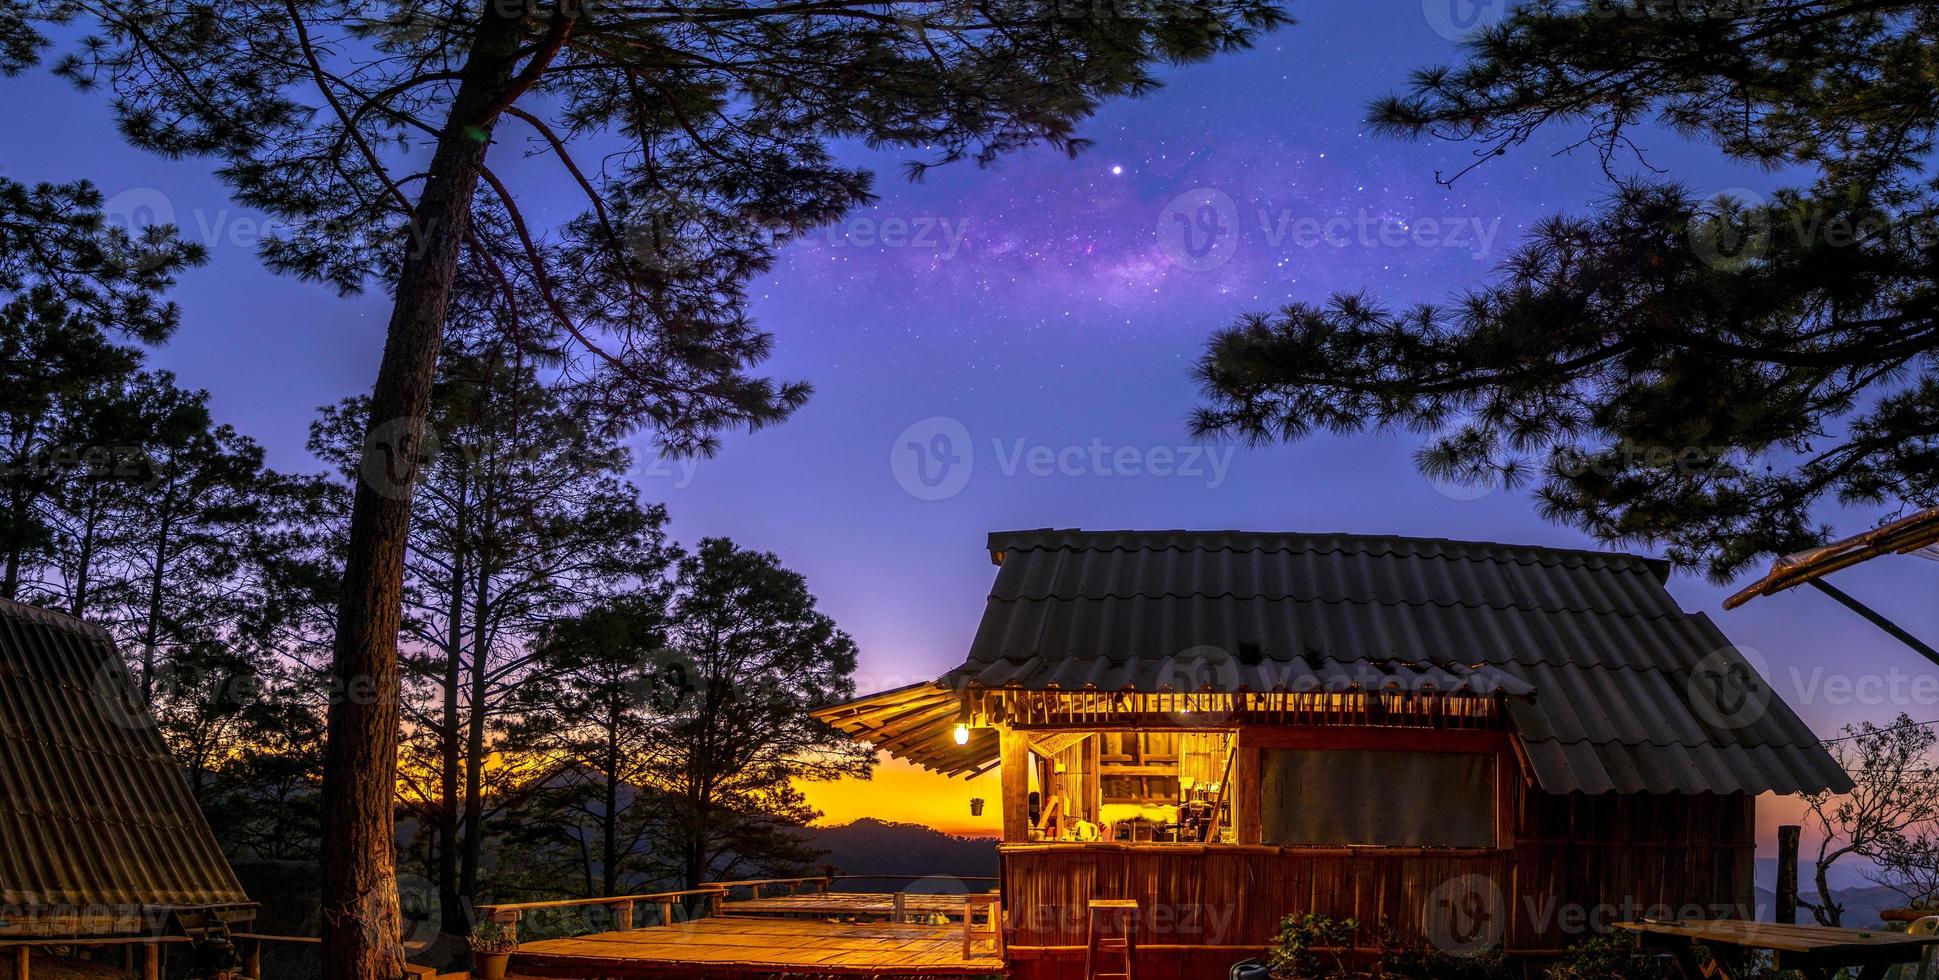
(1459, 745)
(101, 842)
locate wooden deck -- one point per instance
(736, 947)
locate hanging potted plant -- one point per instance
(491, 950)
(976, 806)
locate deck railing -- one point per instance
(509, 915)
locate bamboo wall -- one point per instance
(1576, 865)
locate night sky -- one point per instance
(1045, 304)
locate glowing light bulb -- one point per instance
(962, 734)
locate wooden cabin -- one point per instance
(101, 843)
(1460, 745)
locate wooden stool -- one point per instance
(1113, 931)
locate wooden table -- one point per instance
(1817, 952)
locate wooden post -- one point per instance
(623, 917)
(1787, 874)
(151, 961)
(20, 962)
(897, 912)
(252, 959)
(666, 913)
(1015, 761)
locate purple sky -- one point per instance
(1041, 305)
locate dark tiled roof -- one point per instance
(94, 812)
(1600, 665)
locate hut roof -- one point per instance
(95, 814)
(1609, 685)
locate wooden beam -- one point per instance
(1016, 785)
(21, 957)
(1225, 793)
(1246, 818)
(1346, 738)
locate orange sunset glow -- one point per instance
(903, 793)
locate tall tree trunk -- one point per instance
(609, 849)
(474, 835)
(454, 912)
(151, 636)
(83, 573)
(359, 888)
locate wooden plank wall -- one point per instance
(1578, 863)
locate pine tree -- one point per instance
(1669, 370)
(521, 516)
(77, 297)
(753, 657)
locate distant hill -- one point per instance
(1862, 899)
(877, 847)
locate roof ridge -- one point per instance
(43, 616)
(1151, 540)
(1678, 615)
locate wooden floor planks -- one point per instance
(760, 946)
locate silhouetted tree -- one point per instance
(590, 714)
(522, 516)
(1699, 374)
(712, 124)
(752, 656)
(1896, 792)
(74, 292)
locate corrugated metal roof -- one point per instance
(1600, 663)
(94, 812)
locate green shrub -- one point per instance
(1611, 958)
(1432, 964)
(1311, 945)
